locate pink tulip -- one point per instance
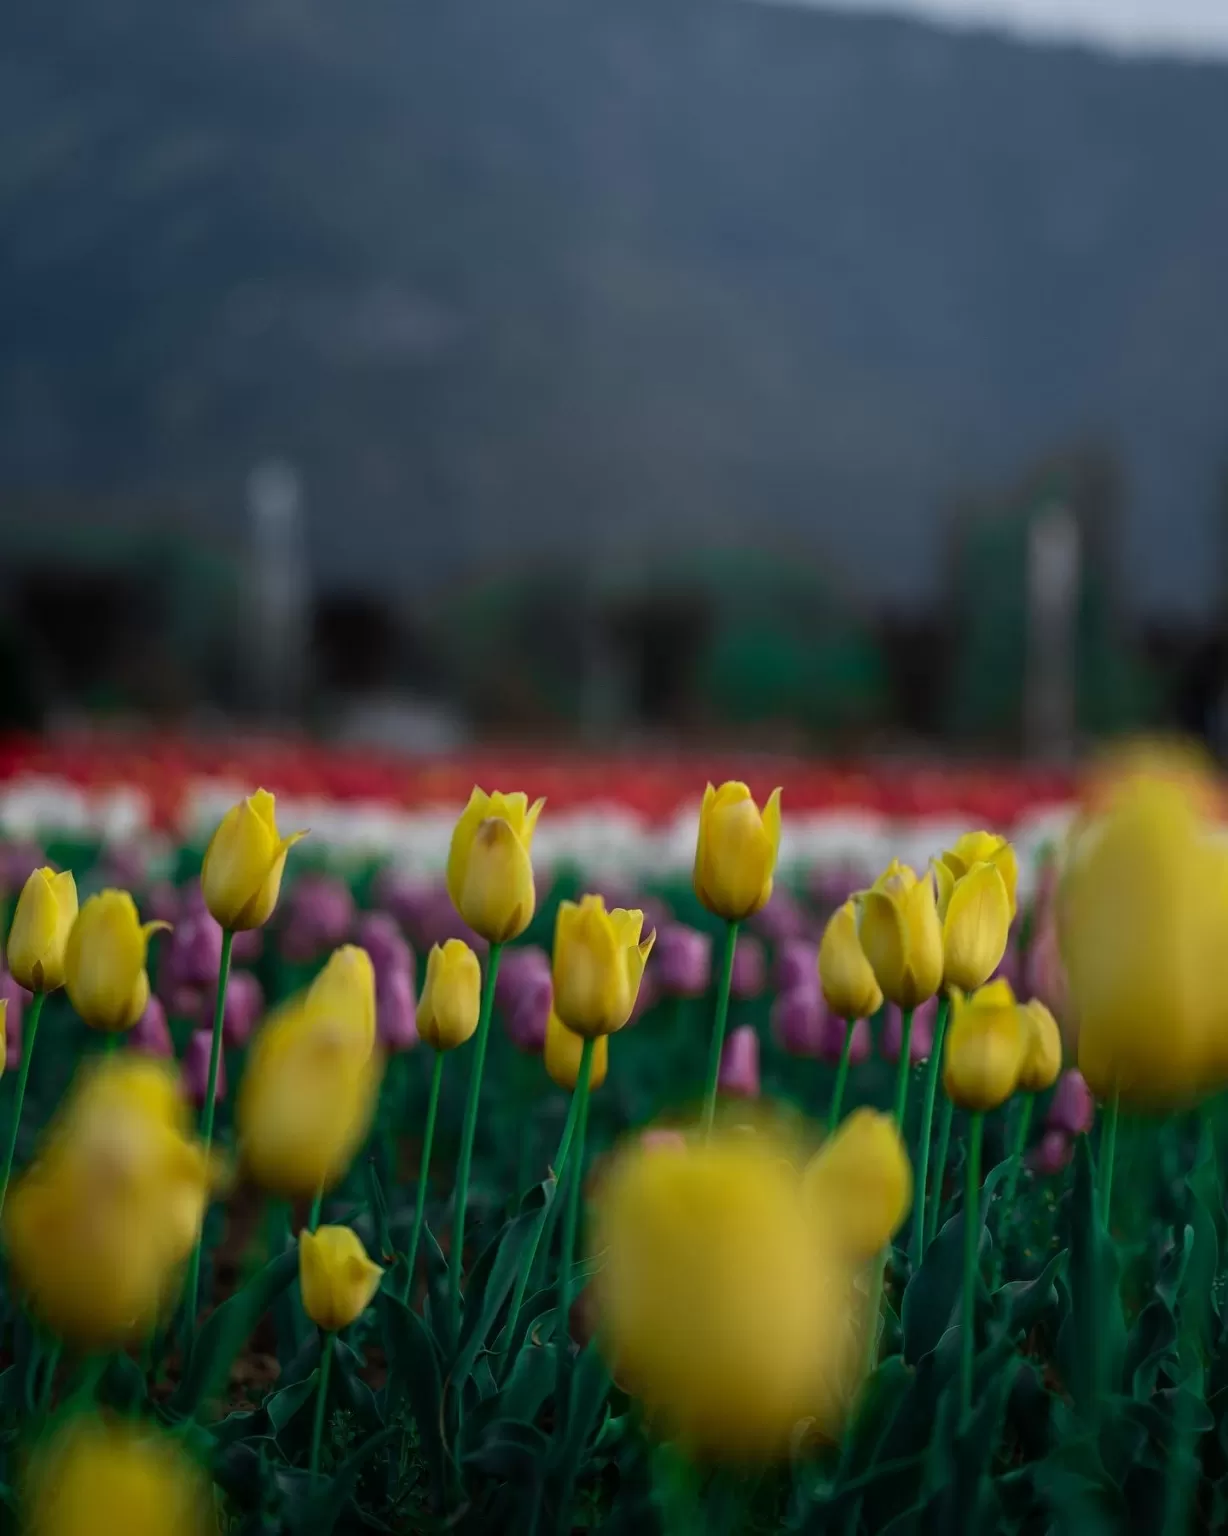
(150, 1035)
(1072, 1110)
(749, 967)
(921, 1041)
(196, 1068)
(739, 1070)
(799, 1020)
(1051, 1153)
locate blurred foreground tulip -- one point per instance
(723, 1306)
(240, 878)
(451, 996)
(986, 1047)
(105, 962)
(337, 1278)
(859, 1184)
(975, 910)
(344, 993)
(739, 1073)
(735, 854)
(562, 1055)
(847, 977)
(598, 964)
(901, 935)
(99, 1474)
(38, 938)
(490, 876)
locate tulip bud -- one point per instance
(105, 962)
(1072, 1108)
(344, 991)
(150, 1035)
(451, 996)
(562, 1055)
(975, 912)
(598, 964)
(490, 877)
(739, 1069)
(986, 1044)
(337, 1279)
(1051, 1153)
(519, 967)
(682, 961)
(38, 938)
(861, 1181)
(901, 935)
(241, 874)
(1042, 1060)
(985, 848)
(525, 1020)
(847, 977)
(196, 1068)
(735, 854)
(396, 1011)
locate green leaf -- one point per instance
(586, 1397)
(437, 1292)
(1025, 1302)
(414, 1365)
(123, 1384)
(225, 1331)
(1091, 1341)
(484, 1301)
(512, 1451)
(880, 1401)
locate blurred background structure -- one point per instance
(645, 370)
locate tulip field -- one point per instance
(548, 1147)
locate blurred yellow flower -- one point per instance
(975, 912)
(305, 1102)
(118, 1474)
(99, 1224)
(599, 962)
(846, 976)
(986, 1045)
(859, 1183)
(490, 875)
(901, 935)
(244, 862)
(735, 855)
(562, 1055)
(718, 1306)
(337, 1278)
(105, 962)
(1042, 1061)
(451, 996)
(1142, 913)
(985, 848)
(345, 992)
(46, 911)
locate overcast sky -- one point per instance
(1198, 27)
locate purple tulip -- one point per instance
(16, 997)
(1072, 1108)
(781, 919)
(522, 966)
(796, 965)
(319, 915)
(921, 1041)
(1044, 971)
(150, 1035)
(125, 865)
(193, 954)
(395, 1010)
(833, 1041)
(380, 935)
(248, 946)
(17, 861)
(800, 1020)
(196, 1068)
(244, 1005)
(749, 967)
(739, 1070)
(525, 1019)
(682, 961)
(1010, 967)
(405, 897)
(1051, 1153)
(162, 903)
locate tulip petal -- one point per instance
(463, 833)
(976, 926)
(884, 940)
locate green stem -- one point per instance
(904, 1068)
(718, 1027)
(206, 1125)
(456, 1258)
(927, 1126)
(940, 1167)
(972, 1242)
(424, 1168)
(53, 1360)
(873, 1308)
(1108, 1152)
(530, 1255)
(317, 1430)
(1018, 1150)
(842, 1075)
(571, 1221)
(23, 1077)
(313, 1215)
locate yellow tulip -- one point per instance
(490, 876)
(105, 962)
(975, 912)
(345, 991)
(562, 1055)
(860, 1183)
(451, 996)
(718, 1307)
(599, 962)
(305, 1103)
(244, 862)
(337, 1279)
(846, 976)
(1142, 912)
(985, 848)
(986, 1045)
(1042, 1061)
(901, 935)
(136, 1478)
(735, 855)
(46, 911)
(97, 1227)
